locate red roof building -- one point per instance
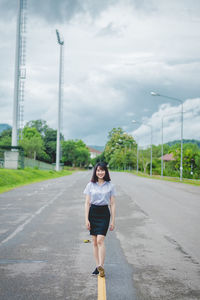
(168, 157)
(93, 152)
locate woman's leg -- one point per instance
(101, 249)
(95, 249)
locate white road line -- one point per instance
(31, 194)
(22, 226)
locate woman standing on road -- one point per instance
(99, 195)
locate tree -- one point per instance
(99, 158)
(50, 139)
(116, 161)
(68, 152)
(191, 160)
(82, 156)
(5, 137)
(40, 125)
(120, 150)
(32, 142)
(75, 153)
(144, 160)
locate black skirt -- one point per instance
(99, 217)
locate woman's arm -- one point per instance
(87, 207)
(112, 209)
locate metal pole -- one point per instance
(17, 75)
(162, 152)
(151, 153)
(61, 43)
(137, 156)
(59, 113)
(181, 166)
(180, 101)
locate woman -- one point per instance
(99, 195)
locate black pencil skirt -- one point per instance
(99, 217)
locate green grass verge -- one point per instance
(10, 179)
(166, 178)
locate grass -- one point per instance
(10, 179)
(166, 178)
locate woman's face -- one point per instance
(100, 172)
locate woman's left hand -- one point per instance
(112, 226)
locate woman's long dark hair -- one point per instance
(102, 166)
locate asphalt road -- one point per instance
(153, 253)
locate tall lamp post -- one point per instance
(134, 121)
(162, 151)
(137, 156)
(20, 72)
(61, 43)
(180, 101)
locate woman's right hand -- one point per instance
(87, 224)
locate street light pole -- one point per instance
(137, 156)
(151, 150)
(162, 152)
(180, 101)
(181, 166)
(133, 121)
(61, 43)
(20, 72)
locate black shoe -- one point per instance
(96, 272)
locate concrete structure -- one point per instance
(11, 159)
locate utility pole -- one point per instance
(181, 102)
(20, 72)
(61, 43)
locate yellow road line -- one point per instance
(101, 288)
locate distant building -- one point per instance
(93, 152)
(168, 157)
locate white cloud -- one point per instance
(171, 116)
(116, 52)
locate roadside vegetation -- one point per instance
(121, 152)
(191, 160)
(39, 142)
(167, 178)
(10, 179)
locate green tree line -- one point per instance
(39, 142)
(121, 154)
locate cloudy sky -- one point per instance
(116, 52)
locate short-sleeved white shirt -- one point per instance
(100, 194)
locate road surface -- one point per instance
(153, 253)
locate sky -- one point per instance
(115, 53)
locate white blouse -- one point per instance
(100, 194)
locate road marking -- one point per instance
(19, 261)
(101, 288)
(22, 226)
